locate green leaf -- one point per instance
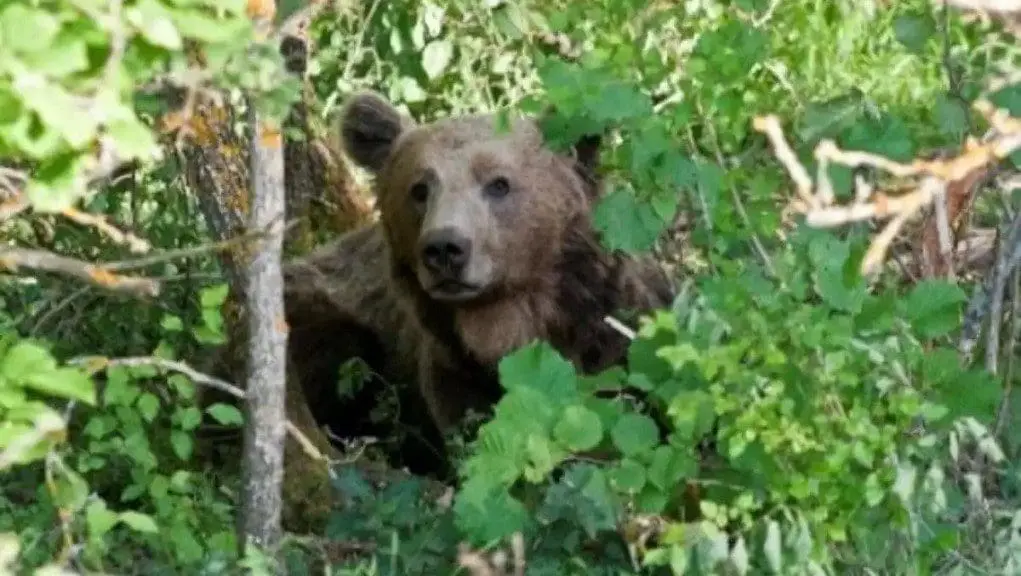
(634, 434)
(828, 118)
(436, 57)
(204, 27)
(99, 519)
(486, 513)
(629, 476)
(132, 138)
(148, 406)
(914, 31)
(952, 116)
(25, 359)
(155, 24)
(181, 443)
(27, 29)
(670, 466)
(771, 547)
(138, 521)
(540, 367)
(581, 497)
(66, 383)
(213, 296)
(226, 414)
(579, 429)
(410, 90)
(887, 136)
(61, 112)
(739, 556)
(67, 55)
(933, 307)
(71, 491)
(189, 418)
(626, 223)
(172, 323)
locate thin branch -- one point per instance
(983, 302)
(16, 258)
(1008, 378)
(933, 177)
(770, 125)
(193, 251)
(134, 243)
(97, 363)
(620, 327)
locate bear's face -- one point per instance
(472, 212)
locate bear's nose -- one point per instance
(445, 251)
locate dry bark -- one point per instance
(267, 344)
(323, 195)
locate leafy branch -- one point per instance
(96, 363)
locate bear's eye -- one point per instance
(420, 192)
(498, 187)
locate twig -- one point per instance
(54, 310)
(192, 252)
(620, 327)
(1010, 255)
(1008, 377)
(738, 203)
(134, 243)
(935, 176)
(96, 363)
(981, 305)
(770, 125)
(15, 258)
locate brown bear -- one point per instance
(485, 243)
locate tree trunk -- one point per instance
(265, 424)
(323, 195)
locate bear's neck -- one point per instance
(568, 311)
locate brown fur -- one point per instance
(536, 268)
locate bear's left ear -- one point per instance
(369, 127)
(586, 152)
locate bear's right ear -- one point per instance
(369, 127)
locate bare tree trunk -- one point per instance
(322, 194)
(265, 425)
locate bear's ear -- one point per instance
(586, 152)
(369, 127)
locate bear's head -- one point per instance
(475, 214)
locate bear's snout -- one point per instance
(445, 252)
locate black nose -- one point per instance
(445, 251)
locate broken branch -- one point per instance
(928, 182)
(15, 258)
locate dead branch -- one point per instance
(193, 252)
(987, 300)
(16, 258)
(134, 243)
(927, 180)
